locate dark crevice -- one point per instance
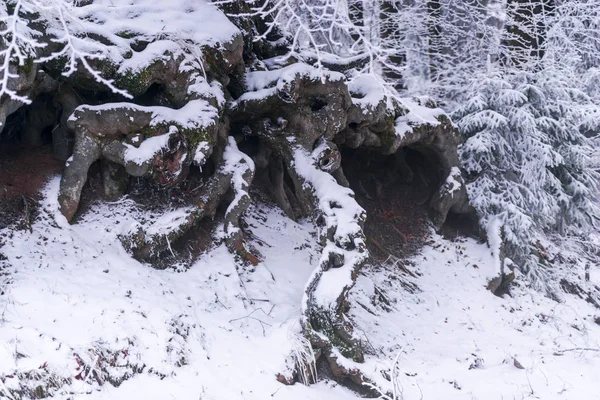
(395, 190)
(11, 132)
(46, 135)
(318, 104)
(155, 96)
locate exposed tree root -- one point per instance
(290, 135)
(235, 174)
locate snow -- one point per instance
(201, 154)
(337, 202)
(451, 333)
(176, 21)
(216, 331)
(261, 84)
(237, 164)
(261, 79)
(155, 52)
(341, 213)
(454, 180)
(417, 114)
(194, 115)
(78, 292)
(169, 221)
(148, 148)
(367, 91)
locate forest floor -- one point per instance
(23, 173)
(80, 319)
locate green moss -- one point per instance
(106, 68)
(26, 68)
(56, 66)
(209, 58)
(136, 83)
(127, 34)
(322, 322)
(389, 133)
(195, 137)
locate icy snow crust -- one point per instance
(219, 332)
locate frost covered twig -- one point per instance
(18, 44)
(74, 48)
(328, 33)
(560, 352)
(304, 358)
(397, 389)
(6, 391)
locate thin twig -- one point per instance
(27, 214)
(249, 316)
(559, 352)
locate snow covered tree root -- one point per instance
(296, 119)
(340, 220)
(235, 175)
(111, 132)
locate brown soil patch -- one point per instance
(23, 173)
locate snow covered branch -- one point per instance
(18, 46)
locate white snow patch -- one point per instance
(342, 213)
(261, 84)
(458, 341)
(367, 91)
(201, 154)
(237, 163)
(75, 290)
(148, 148)
(212, 332)
(453, 181)
(417, 114)
(169, 222)
(177, 21)
(494, 236)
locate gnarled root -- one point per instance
(307, 179)
(86, 152)
(340, 220)
(144, 140)
(241, 168)
(235, 173)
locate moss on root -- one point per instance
(323, 322)
(388, 135)
(27, 66)
(136, 83)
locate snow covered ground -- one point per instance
(78, 312)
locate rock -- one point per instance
(517, 364)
